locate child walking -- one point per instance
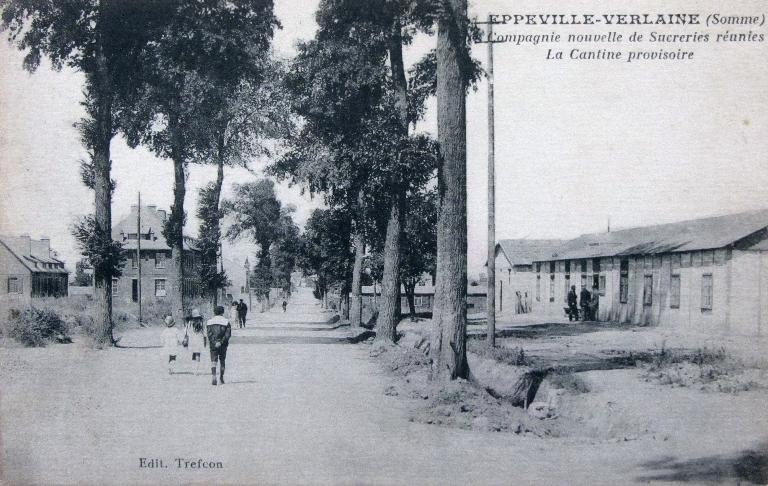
(170, 343)
(197, 340)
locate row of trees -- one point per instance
(193, 81)
(393, 191)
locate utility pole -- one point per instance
(491, 289)
(138, 253)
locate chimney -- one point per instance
(161, 212)
(25, 244)
(45, 246)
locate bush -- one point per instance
(510, 356)
(569, 382)
(36, 327)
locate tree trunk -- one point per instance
(176, 233)
(102, 291)
(449, 347)
(217, 200)
(389, 312)
(356, 308)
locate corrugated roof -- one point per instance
(525, 252)
(691, 235)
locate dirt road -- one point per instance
(299, 407)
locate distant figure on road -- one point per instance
(219, 331)
(197, 339)
(170, 343)
(584, 302)
(519, 303)
(526, 303)
(242, 312)
(234, 313)
(285, 305)
(573, 309)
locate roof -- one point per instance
(697, 234)
(524, 252)
(152, 222)
(33, 254)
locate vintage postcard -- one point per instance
(383, 242)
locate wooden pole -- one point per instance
(491, 289)
(138, 253)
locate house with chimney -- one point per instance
(30, 269)
(157, 271)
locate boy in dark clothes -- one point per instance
(219, 331)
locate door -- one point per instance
(135, 290)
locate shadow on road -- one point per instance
(750, 465)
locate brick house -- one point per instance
(157, 271)
(30, 269)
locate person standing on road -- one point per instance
(234, 313)
(196, 338)
(573, 310)
(584, 302)
(242, 312)
(219, 331)
(170, 339)
(285, 305)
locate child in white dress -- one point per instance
(170, 339)
(196, 334)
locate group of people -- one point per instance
(238, 312)
(192, 339)
(588, 301)
(522, 305)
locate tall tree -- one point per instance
(449, 315)
(101, 39)
(419, 243)
(256, 212)
(212, 279)
(325, 250)
(205, 47)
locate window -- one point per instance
(583, 264)
(567, 267)
(115, 287)
(538, 267)
(567, 287)
(648, 290)
(134, 260)
(601, 284)
(674, 292)
(14, 285)
(706, 291)
(583, 281)
(552, 288)
(538, 288)
(159, 259)
(595, 265)
(160, 287)
(551, 267)
(624, 281)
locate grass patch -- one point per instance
(570, 382)
(511, 356)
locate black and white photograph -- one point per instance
(383, 242)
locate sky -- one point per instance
(577, 142)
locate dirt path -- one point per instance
(291, 413)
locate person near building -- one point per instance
(573, 309)
(584, 300)
(219, 331)
(594, 304)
